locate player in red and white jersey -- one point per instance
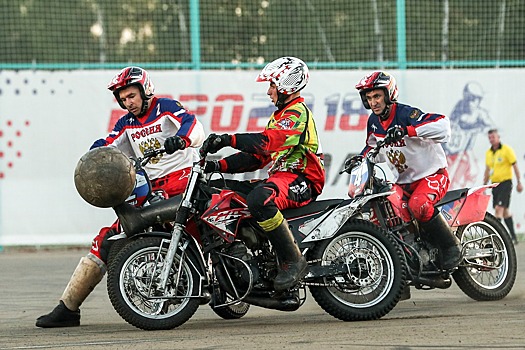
(151, 122)
(415, 155)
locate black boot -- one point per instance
(438, 233)
(86, 276)
(61, 316)
(292, 264)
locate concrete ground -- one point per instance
(31, 281)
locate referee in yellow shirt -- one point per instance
(500, 159)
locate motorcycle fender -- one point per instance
(399, 205)
(470, 209)
(118, 237)
(327, 225)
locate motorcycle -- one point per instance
(216, 253)
(142, 196)
(489, 265)
(362, 253)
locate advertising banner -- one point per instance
(48, 120)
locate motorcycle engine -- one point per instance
(250, 237)
(238, 250)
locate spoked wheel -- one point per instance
(488, 271)
(133, 291)
(375, 277)
(228, 312)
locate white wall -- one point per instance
(48, 120)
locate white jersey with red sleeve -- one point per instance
(164, 118)
(420, 152)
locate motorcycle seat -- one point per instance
(453, 195)
(311, 208)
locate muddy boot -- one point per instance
(292, 264)
(438, 232)
(67, 313)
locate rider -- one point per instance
(149, 123)
(415, 156)
(296, 176)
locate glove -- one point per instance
(214, 143)
(174, 143)
(212, 166)
(351, 162)
(395, 134)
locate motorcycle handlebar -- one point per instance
(370, 155)
(204, 152)
(148, 154)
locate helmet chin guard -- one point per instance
(378, 80)
(133, 76)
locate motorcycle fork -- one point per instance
(178, 227)
(170, 255)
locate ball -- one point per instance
(105, 177)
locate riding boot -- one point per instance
(292, 264)
(86, 276)
(438, 233)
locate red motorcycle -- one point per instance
(215, 253)
(362, 252)
(489, 265)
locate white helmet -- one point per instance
(289, 74)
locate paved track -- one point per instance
(32, 281)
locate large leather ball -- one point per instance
(105, 177)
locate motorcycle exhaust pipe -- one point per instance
(435, 281)
(289, 304)
(134, 220)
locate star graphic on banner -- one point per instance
(10, 132)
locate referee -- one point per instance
(500, 159)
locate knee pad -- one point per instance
(100, 246)
(421, 207)
(106, 245)
(101, 264)
(260, 203)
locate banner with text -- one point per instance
(48, 120)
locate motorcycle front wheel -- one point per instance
(132, 285)
(488, 271)
(375, 272)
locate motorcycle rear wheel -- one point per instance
(229, 312)
(132, 289)
(487, 278)
(376, 272)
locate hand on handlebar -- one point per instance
(351, 162)
(214, 143)
(395, 134)
(152, 152)
(174, 143)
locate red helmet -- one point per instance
(378, 80)
(132, 76)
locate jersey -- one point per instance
(420, 152)
(500, 163)
(289, 143)
(164, 118)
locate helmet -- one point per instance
(132, 76)
(289, 74)
(378, 80)
(472, 91)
